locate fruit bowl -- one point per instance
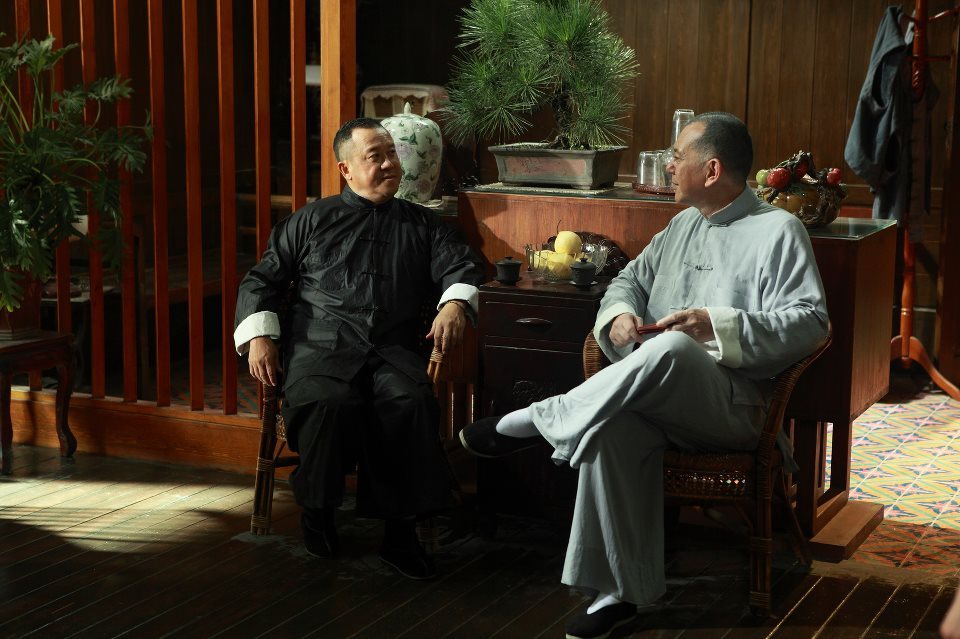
(815, 207)
(545, 265)
(797, 187)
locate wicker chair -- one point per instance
(273, 440)
(745, 480)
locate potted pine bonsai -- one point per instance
(517, 57)
(53, 166)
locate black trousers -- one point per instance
(383, 423)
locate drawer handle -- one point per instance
(534, 321)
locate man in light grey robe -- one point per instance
(733, 282)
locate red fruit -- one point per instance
(833, 177)
(801, 169)
(778, 178)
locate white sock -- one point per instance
(517, 424)
(602, 601)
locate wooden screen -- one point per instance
(159, 331)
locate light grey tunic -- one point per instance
(752, 267)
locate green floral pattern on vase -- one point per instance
(420, 149)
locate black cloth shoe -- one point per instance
(600, 624)
(319, 532)
(401, 550)
(482, 439)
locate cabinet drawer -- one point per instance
(528, 321)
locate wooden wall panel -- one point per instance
(723, 56)
(625, 17)
(767, 48)
(683, 41)
(829, 85)
(651, 113)
(798, 31)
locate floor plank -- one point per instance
(903, 611)
(108, 548)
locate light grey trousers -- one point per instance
(614, 428)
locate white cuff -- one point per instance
(726, 328)
(601, 331)
(256, 325)
(464, 292)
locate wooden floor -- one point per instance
(100, 547)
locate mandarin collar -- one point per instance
(741, 205)
(353, 200)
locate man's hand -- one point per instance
(447, 329)
(695, 322)
(623, 330)
(264, 360)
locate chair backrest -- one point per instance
(783, 386)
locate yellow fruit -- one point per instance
(568, 243)
(559, 264)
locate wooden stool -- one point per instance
(45, 350)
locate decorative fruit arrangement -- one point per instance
(556, 262)
(796, 186)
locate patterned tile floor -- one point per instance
(906, 455)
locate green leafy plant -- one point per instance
(54, 166)
(518, 56)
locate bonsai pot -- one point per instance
(536, 164)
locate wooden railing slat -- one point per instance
(21, 18)
(95, 268)
(191, 126)
(159, 174)
(228, 202)
(128, 282)
(298, 107)
(64, 312)
(26, 96)
(261, 90)
(338, 102)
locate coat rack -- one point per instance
(905, 346)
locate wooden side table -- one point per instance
(46, 350)
(531, 347)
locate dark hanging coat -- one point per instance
(878, 146)
(362, 274)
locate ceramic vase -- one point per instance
(420, 148)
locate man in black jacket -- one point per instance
(363, 264)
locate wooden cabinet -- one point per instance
(531, 340)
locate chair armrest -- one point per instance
(593, 358)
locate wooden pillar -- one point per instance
(338, 77)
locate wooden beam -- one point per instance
(338, 79)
